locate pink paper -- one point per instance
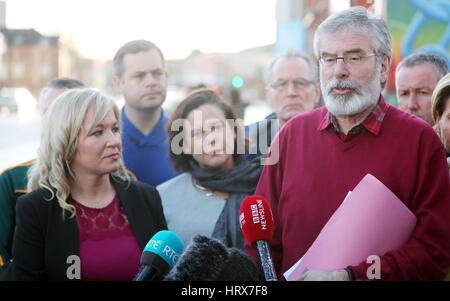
(370, 221)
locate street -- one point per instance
(19, 139)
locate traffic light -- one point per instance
(237, 82)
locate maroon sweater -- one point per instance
(316, 169)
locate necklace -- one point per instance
(206, 191)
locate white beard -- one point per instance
(355, 103)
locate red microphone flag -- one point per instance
(256, 219)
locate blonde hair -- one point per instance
(60, 130)
(439, 99)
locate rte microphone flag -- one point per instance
(257, 226)
(159, 255)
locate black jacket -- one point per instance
(43, 240)
(260, 135)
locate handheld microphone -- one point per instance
(257, 226)
(207, 259)
(159, 255)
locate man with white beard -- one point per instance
(325, 153)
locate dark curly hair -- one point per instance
(193, 101)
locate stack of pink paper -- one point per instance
(370, 221)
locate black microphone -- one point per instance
(207, 259)
(159, 255)
(257, 226)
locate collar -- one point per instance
(156, 136)
(372, 123)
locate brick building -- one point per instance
(29, 59)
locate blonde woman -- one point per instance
(84, 218)
(440, 108)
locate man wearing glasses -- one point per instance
(292, 88)
(323, 154)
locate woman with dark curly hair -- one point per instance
(207, 144)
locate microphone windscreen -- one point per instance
(256, 219)
(238, 267)
(207, 259)
(165, 245)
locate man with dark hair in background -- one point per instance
(141, 77)
(415, 79)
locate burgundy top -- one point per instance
(317, 168)
(108, 247)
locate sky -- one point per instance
(100, 27)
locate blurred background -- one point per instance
(224, 44)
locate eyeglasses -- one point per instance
(299, 83)
(202, 133)
(350, 59)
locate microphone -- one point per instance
(257, 226)
(159, 255)
(207, 259)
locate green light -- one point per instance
(237, 82)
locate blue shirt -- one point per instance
(147, 156)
